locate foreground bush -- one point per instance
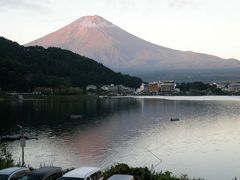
(5, 158)
(142, 173)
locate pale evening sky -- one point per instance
(207, 26)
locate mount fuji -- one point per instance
(101, 40)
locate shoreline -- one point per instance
(186, 98)
(162, 97)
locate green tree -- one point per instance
(5, 158)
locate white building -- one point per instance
(234, 87)
(143, 89)
(110, 88)
(222, 86)
(91, 87)
(167, 86)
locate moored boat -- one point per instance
(175, 119)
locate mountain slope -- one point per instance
(97, 38)
(24, 68)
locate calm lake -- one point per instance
(133, 130)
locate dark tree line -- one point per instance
(199, 86)
(25, 68)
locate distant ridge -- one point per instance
(99, 39)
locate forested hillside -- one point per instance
(25, 68)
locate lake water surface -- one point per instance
(133, 130)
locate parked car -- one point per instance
(121, 177)
(44, 173)
(84, 173)
(13, 173)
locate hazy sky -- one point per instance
(208, 26)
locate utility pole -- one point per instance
(23, 156)
(22, 143)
